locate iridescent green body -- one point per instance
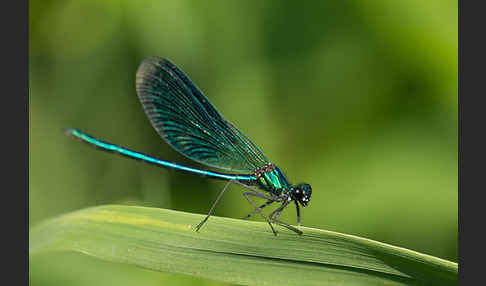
(271, 179)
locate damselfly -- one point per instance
(188, 122)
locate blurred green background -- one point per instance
(358, 98)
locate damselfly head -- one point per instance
(302, 193)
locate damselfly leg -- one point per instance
(212, 208)
(258, 209)
(270, 199)
(277, 212)
(246, 194)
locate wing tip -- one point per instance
(148, 71)
(149, 63)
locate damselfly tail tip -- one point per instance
(69, 131)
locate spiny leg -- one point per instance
(277, 213)
(212, 208)
(248, 187)
(288, 226)
(255, 193)
(259, 209)
(258, 193)
(298, 213)
(246, 194)
(278, 210)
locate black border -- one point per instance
(14, 120)
(472, 155)
(14, 128)
(459, 138)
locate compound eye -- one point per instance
(305, 193)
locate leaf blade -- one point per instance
(235, 251)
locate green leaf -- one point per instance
(235, 251)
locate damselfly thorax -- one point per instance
(271, 179)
